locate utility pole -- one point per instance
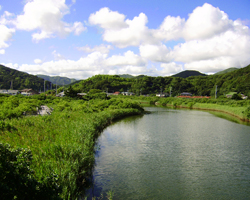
(170, 90)
(56, 88)
(11, 84)
(216, 92)
(44, 87)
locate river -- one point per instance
(174, 154)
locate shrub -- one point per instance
(17, 180)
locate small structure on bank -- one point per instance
(28, 92)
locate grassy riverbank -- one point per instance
(61, 147)
(236, 108)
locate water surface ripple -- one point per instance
(174, 154)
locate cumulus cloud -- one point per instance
(121, 32)
(2, 51)
(129, 58)
(170, 29)
(92, 64)
(46, 16)
(205, 22)
(57, 56)
(170, 68)
(6, 32)
(212, 42)
(38, 61)
(158, 53)
(101, 48)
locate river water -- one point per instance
(174, 154)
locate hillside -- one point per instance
(226, 71)
(20, 80)
(57, 79)
(126, 76)
(236, 81)
(188, 73)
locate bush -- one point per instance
(17, 180)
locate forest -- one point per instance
(195, 83)
(235, 81)
(17, 80)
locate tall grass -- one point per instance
(63, 143)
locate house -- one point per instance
(81, 94)
(116, 93)
(28, 92)
(243, 96)
(11, 92)
(186, 94)
(128, 93)
(162, 95)
(61, 94)
(230, 94)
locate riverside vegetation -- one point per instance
(52, 156)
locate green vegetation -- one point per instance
(226, 71)
(53, 155)
(20, 80)
(236, 81)
(57, 79)
(237, 108)
(187, 73)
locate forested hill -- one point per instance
(57, 79)
(188, 73)
(20, 80)
(236, 81)
(226, 71)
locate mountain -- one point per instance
(126, 76)
(17, 80)
(226, 71)
(57, 79)
(187, 73)
(197, 83)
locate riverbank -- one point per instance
(237, 112)
(60, 147)
(239, 109)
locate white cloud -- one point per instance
(170, 68)
(2, 51)
(205, 22)
(170, 29)
(158, 53)
(108, 19)
(38, 61)
(5, 35)
(101, 48)
(129, 58)
(57, 56)
(121, 32)
(46, 17)
(78, 28)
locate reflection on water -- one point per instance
(174, 154)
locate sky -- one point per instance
(82, 38)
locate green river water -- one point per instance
(174, 154)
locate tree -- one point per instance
(70, 92)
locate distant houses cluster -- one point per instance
(29, 92)
(24, 92)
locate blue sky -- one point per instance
(82, 38)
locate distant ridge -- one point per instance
(226, 71)
(17, 80)
(126, 76)
(188, 73)
(57, 79)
